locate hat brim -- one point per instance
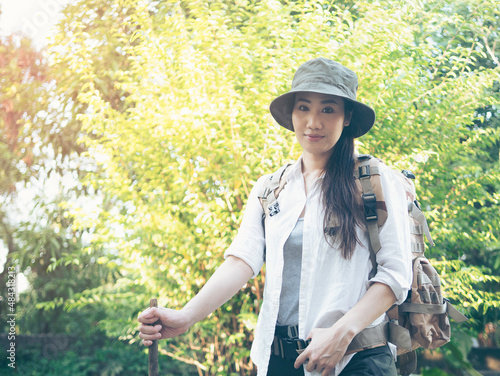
(363, 116)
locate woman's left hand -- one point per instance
(327, 347)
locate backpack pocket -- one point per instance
(425, 310)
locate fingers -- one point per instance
(318, 367)
(325, 368)
(148, 329)
(149, 333)
(300, 359)
(147, 320)
(148, 316)
(327, 371)
(149, 337)
(311, 364)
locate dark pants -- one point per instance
(374, 362)
(281, 367)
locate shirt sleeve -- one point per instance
(250, 242)
(394, 257)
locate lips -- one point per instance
(313, 137)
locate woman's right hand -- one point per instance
(171, 324)
(224, 283)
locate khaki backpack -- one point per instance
(422, 320)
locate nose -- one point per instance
(314, 121)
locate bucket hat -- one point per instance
(324, 76)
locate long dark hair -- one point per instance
(340, 193)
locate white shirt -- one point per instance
(330, 285)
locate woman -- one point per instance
(317, 280)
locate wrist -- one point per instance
(345, 330)
(189, 316)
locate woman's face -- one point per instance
(318, 121)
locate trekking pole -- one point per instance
(153, 349)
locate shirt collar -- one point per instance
(296, 170)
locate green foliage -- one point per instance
(22, 75)
(450, 359)
(104, 358)
(170, 103)
(469, 285)
(36, 141)
(435, 372)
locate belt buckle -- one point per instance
(292, 331)
(301, 347)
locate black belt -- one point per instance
(286, 343)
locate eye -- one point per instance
(303, 107)
(328, 110)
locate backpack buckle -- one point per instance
(364, 171)
(274, 209)
(370, 206)
(408, 174)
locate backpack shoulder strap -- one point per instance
(420, 228)
(367, 174)
(418, 223)
(271, 190)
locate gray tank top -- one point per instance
(289, 299)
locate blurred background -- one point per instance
(131, 133)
